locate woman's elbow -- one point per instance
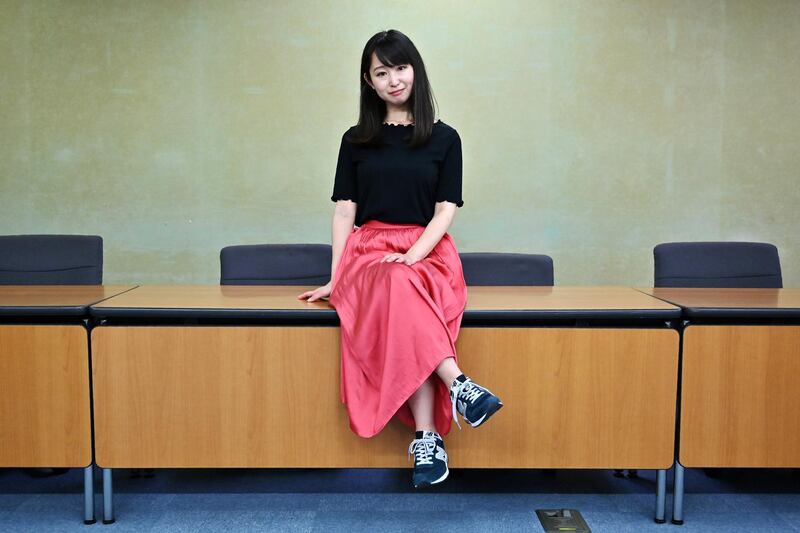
(445, 210)
(346, 208)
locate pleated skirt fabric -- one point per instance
(398, 322)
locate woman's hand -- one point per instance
(406, 258)
(317, 294)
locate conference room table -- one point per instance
(45, 417)
(248, 377)
(740, 380)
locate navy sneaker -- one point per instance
(475, 403)
(430, 459)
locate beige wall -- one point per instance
(591, 130)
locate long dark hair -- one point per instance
(394, 48)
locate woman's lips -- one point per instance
(397, 93)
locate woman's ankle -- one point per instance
(448, 371)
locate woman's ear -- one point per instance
(366, 78)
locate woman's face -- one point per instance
(393, 84)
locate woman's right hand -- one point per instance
(317, 294)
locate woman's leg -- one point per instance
(421, 405)
(430, 459)
(448, 371)
(475, 403)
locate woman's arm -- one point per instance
(344, 216)
(442, 218)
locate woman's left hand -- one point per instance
(406, 258)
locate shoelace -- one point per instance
(471, 391)
(468, 391)
(423, 451)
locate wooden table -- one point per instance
(45, 418)
(740, 378)
(235, 376)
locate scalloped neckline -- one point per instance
(405, 125)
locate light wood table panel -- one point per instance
(574, 398)
(213, 297)
(188, 300)
(740, 401)
(562, 299)
(226, 397)
(731, 303)
(44, 404)
(175, 396)
(64, 300)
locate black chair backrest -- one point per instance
(51, 260)
(717, 265)
(485, 268)
(276, 264)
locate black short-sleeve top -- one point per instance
(397, 184)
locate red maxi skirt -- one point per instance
(398, 322)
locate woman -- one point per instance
(396, 279)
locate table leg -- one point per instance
(88, 495)
(677, 497)
(108, 497)
(661, 496)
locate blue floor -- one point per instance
(381, 500)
